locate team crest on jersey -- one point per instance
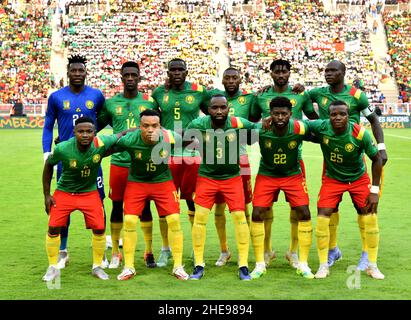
(293, 102)
(349, 147)
(138, 155)
(190, 99)
(141, 108)
(73, 163)
(89, 104)
(78, 110)
(163, 154)
(66, 105)
(292, 144)
(267, 144)
(241, 100)
(96, 158)
(230, 137)
(325, 140)
(119, 110)
(324, 101)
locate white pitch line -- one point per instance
(394, 135)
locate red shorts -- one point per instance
(118, 182)
(89, 203)
(185, 172)
(302, 165)
(164, 195)
(267, 188)
(245, 172)
(231, 190)
(332, 191)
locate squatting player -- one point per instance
(343, 144)
(150, 178)
(280, 169)
(80, 156)
(219, 175)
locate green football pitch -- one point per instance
(24, 224)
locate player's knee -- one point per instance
(258, 214)
(54, 231)
(190, 205)
(173, 222)
(302, 213)
(130, 222)
(98, 231)
(117, 212)
(219, 209)
(201, 216)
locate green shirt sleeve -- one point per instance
(255, 110)
(55, 157)
(315, 125)
(363, 102)
(103, 117)
(308, 106)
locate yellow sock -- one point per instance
(334, 220)
(294, 231)
(323, 238)
(361, 225)
(199, 233)
(268, 221)
(305, 232)
(115, 228)
(99, 245)
(176, 238)
(191, 217)
(372, 236)
(220, 222)
(242, 235)
(130, 239)
(257, 237)
(247, 214)
(164, 231)
(147, 228)
(52, 249)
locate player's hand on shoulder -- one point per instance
(266, 123)
(298, 88)
(262, 90)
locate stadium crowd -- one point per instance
(296, 32)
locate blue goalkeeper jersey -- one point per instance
(67, 106)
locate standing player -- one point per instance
(343, 144)
(301, 102)
(358, 103)
(239, 104)
(179, 106)
(80, 156)
(219, 175)
(122, 112)
(280, 169)
(150, 179)
(66, 105)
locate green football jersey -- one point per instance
(343, 154)
(355, 98)
(220, 148)
(122, 114)
(240, 106)
(179, 107)
(80, 169)
(301, 102)
(280, 154)
(149, 163)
